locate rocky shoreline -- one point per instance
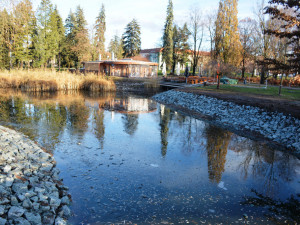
(273, 126)
(30, 189)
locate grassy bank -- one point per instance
(286, 93)
(49, 81)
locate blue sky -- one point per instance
(150, 14)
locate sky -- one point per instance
(150, 14)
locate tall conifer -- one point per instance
(43, 34)
(180, 45)
(68, 56)
(81, 45)
(4, 39)
(56, 36)
(115, 46)
(288, 13)
(100, 32)
(167, 53)
(132, 39)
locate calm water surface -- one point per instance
(128, 159)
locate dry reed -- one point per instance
(64, 98)
(49, 81)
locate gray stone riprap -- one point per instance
(30, 189)
(275, 126)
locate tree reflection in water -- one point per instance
(273, 174)
(98, 125)
(164, 128)
(260, 162)
(35, 120)
(78, 115)
(217, 144)
(130, 122)
(279, 212)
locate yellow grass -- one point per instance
(47, 80)
(64, 98)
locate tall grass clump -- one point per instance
(49, 81)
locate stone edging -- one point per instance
(30, 189)
(273, 126)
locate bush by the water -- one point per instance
(48, 80)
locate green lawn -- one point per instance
(286, 93)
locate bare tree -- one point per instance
(246, 30)
(196, 30)
(211, 28)
(210, 25)
(264, 39)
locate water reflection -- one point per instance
(131, 122)
(260, 161)
(288, 209)
(217, 145)
(99, 126)
(154, 163)
(164, 128)
(78, 115)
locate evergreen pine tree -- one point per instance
(61, 36)
(68, 56)
(81, 47)
(115, 46)
(80, 21)
(167, 53)
(43, 34)
(29, 25)
(56, 36)
(132, 39)
(288, 13)
(100, 32)
(180, 45)
(4, 40)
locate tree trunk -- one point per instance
(243, 68)
(173, 67)
(194, 69)
(243, 72)
(59, 61)
(10, 60)
(262, 75)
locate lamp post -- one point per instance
(218, 76)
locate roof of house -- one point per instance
(123, 62)
(140, 58)
(151, 50)
(156, 50)
(202, 53)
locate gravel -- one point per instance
(274, 126)
(30, 190)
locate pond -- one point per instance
(129, 160)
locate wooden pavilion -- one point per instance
(122, 68)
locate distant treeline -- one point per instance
(30, 39)
(269, 42)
